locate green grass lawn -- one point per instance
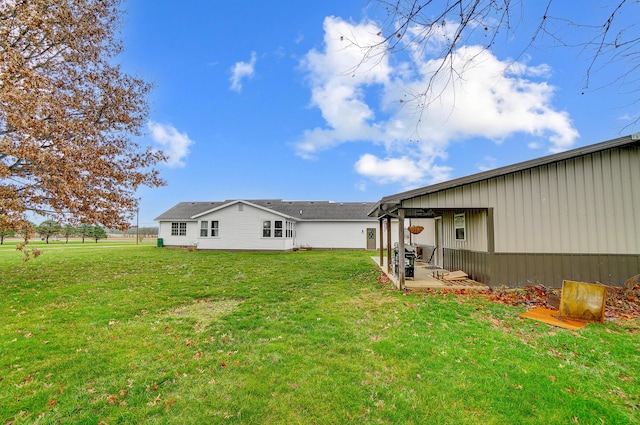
(141, 335)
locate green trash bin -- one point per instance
(160, 242)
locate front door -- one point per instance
(371, 238)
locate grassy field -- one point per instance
(141, 335)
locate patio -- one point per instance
(426, 277)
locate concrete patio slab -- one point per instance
(425, 278)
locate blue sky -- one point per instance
(264, 99)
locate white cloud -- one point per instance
(487, 163)
(173, 143)
(405, 170)
(361, 185)
(241, 71)
(389, 170)
(363, 97)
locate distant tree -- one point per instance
(84, 231)
(67, 231)
(67, 115)
(48, 228)
(5, 230)
(149, 231)
(98, 232)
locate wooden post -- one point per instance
(388, 244)
(401, 271)
(381, 243)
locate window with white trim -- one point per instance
(266, 229)
(459, 227)
(277, 233)
(277, 229)
(179, 229)
(204, 229)
(214, 229)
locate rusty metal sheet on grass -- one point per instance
(584, 301)
(551, 317)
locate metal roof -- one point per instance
(390, 203)
(298, 210)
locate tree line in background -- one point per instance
(51, 228)
(140, 232)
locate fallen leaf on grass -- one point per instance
(154, 402)
(625, 377)
(621, 303)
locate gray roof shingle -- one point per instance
(300, 210)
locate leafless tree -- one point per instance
(442, 26)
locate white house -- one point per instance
(270, 225)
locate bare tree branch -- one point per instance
(440, 28)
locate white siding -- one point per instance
(191, 238)
(335, 235)
(394, 233)
(427, 236)
(242, 230)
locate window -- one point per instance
(214, 229)
(179, 229)
(459, 227)
(290, 227)
(266, 229)
(278, 229)
(204, 229)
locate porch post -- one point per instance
(401, 274)
(388, 244)
(381, 242)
